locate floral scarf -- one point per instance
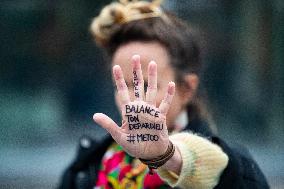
(120, 171)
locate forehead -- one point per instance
(148, 51)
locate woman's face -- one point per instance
(150, 51)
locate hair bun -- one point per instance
(117, 13)
(103, 26)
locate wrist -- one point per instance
(159, 161)
(174, 164)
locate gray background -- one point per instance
(53, 78)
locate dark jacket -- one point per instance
(242, 171)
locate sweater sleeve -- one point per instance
(203, 163)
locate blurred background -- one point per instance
(53, 78)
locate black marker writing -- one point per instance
(141, 109)
(132, 118)
(135, 83)
(136, 94)
(154, 126)
(131, 138)
(147, 137)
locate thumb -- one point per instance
(107, 123)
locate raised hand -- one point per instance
(143, 133)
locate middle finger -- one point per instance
(138, 81)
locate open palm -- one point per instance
(143, 133)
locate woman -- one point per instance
(160, 48)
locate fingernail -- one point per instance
(136, 57)
(96, 115)
(152, 62)
(172, 84)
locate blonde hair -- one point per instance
(118, 13)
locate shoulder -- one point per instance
(242, 171)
